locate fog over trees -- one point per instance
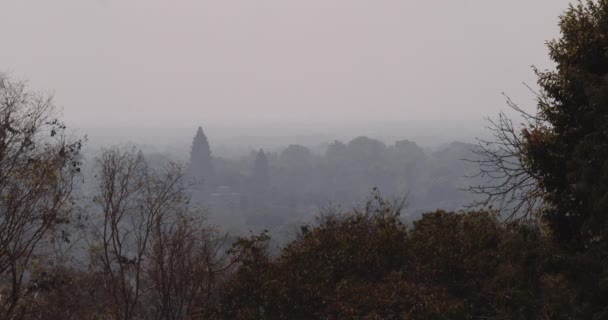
(277, 190)
(511, 225)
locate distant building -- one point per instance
(201, 167)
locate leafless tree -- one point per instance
(124, 198)
(186, 264)
(508, 183)
(38, 166)
(156, 255)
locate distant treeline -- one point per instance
(274, 189)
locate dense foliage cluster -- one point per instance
(568, 151)
(368, 265)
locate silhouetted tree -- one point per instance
(366, 264)
(297, 156)
(410, 165)
(185, 267)
(38, 165)
(366, 150)
(557, 162)
(506, 180)
(569, 151)
(336, 151)
(136, 203)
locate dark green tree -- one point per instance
(556, 165)
(568, 152)
(366, 264)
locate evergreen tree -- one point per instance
(200, 159)
(568, 151)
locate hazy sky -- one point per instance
(165, 64)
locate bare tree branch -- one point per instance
(507, 183)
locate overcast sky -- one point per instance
(304, 64)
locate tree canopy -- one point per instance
(568, 149)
